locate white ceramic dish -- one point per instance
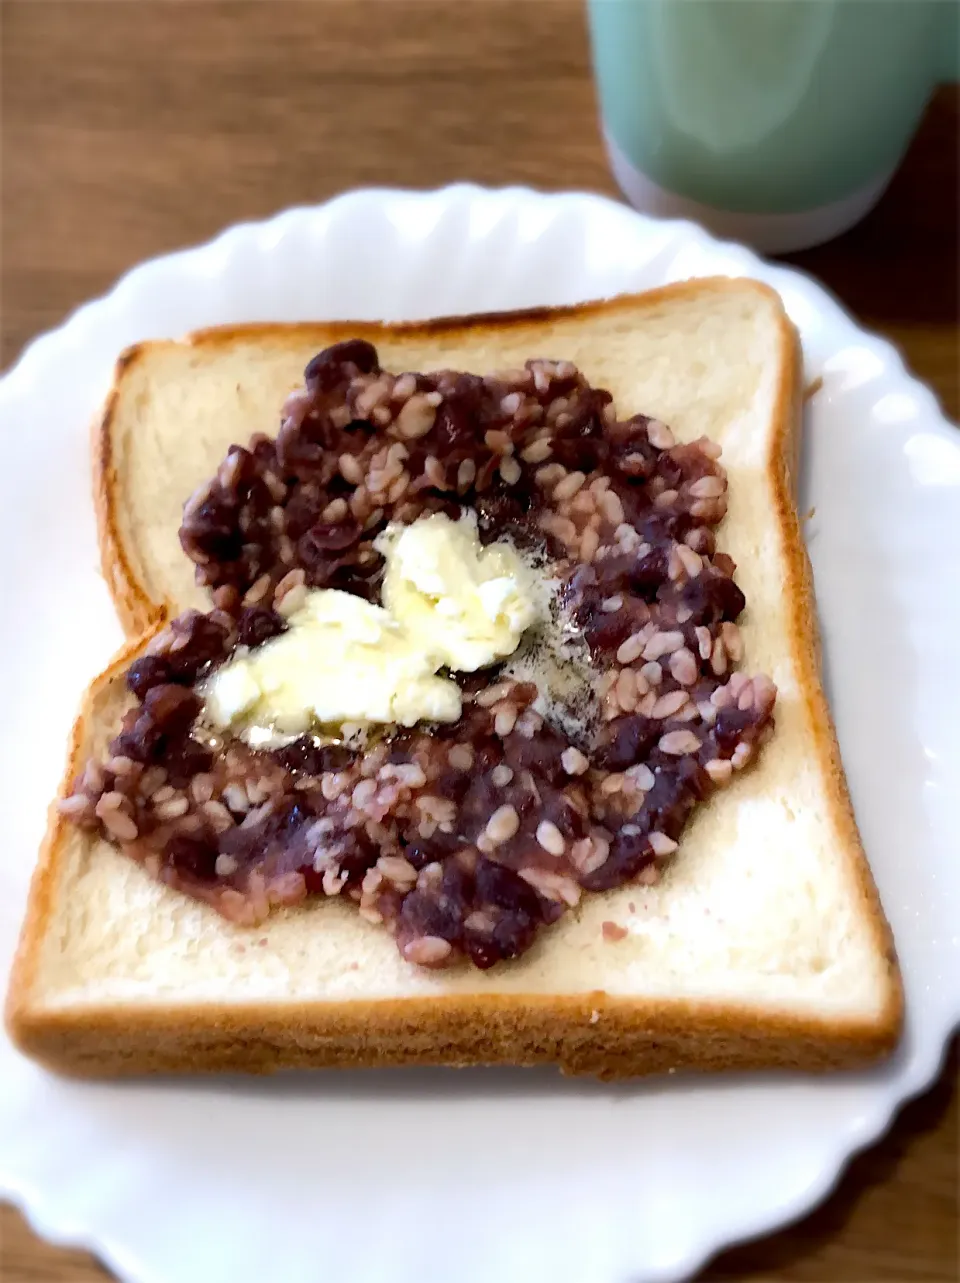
(483, 1175)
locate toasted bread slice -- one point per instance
(763, 945)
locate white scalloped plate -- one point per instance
(483, 1175)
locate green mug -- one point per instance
(776, 122)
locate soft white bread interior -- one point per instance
(765, 943)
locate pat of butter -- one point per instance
(448, 602)
(342, 659)
(467, 604)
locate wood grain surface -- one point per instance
(131, 127)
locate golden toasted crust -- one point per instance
(782, 465)
(597, 1033)
(136, 611)
(20, 1016)
(627, 1039)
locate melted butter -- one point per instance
(466, 604)
(342, 659)
(558, 663)
(448, 602)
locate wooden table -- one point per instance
(131, 127)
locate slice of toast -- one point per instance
(763, 945)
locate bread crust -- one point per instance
(586, 1033)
